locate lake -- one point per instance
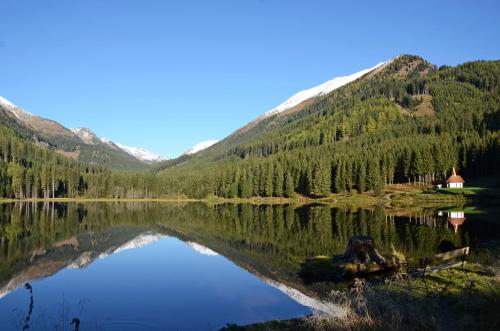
(160, 266)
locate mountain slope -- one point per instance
(80, 144)
(90, 138)
(139, 153)
(404, 120)
(295, 103)
(200, 146)
(320, 90)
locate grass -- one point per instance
(398, 195)
(464, 190)
(452, 299)
(404, 195)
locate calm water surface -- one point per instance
(190, 267)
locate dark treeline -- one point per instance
(28, 170)
(407, 123)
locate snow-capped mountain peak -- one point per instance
(89, 137)
(14, 109)
(200, 146)
(137, 152)
(6, 103)
(320, 90)
(106, 140)
(85, 134)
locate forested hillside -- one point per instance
(56, 137)
(404, 122)
(407, 122)
(28, 170)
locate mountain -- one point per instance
(295, 103)
(319, 90)
(86, 135)
(401, 120)
(200, 146)
(40, 125)
(79, 143)
(89, 137)
(140, 153)
(305, 98)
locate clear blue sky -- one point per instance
(165, 75)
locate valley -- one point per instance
(402, 121)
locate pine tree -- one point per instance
(361, 177)
(278, 180)
(268, 183)
(321, 180)
(289, 186)
(373, 178)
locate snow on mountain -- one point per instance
(319, 90)
(6, 103)
(139, 241)
(89, 137)
(200, 146)
(202, 249)
(318, 306)
(106, 141)
(139, 153)
(85, 134)
(18, 112)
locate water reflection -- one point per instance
(41, 240)
(455, 218)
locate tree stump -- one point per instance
(361, 250)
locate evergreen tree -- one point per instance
(268, 183)
(321, 180)
(289, 186)
(278, 180)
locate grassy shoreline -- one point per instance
(392, 196)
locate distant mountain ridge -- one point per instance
(89, 137)
(79, 143)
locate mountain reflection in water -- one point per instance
(185, 253)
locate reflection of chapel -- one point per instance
(456, 218)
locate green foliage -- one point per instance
(321, 180)
(363, 132)
(289, 186)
